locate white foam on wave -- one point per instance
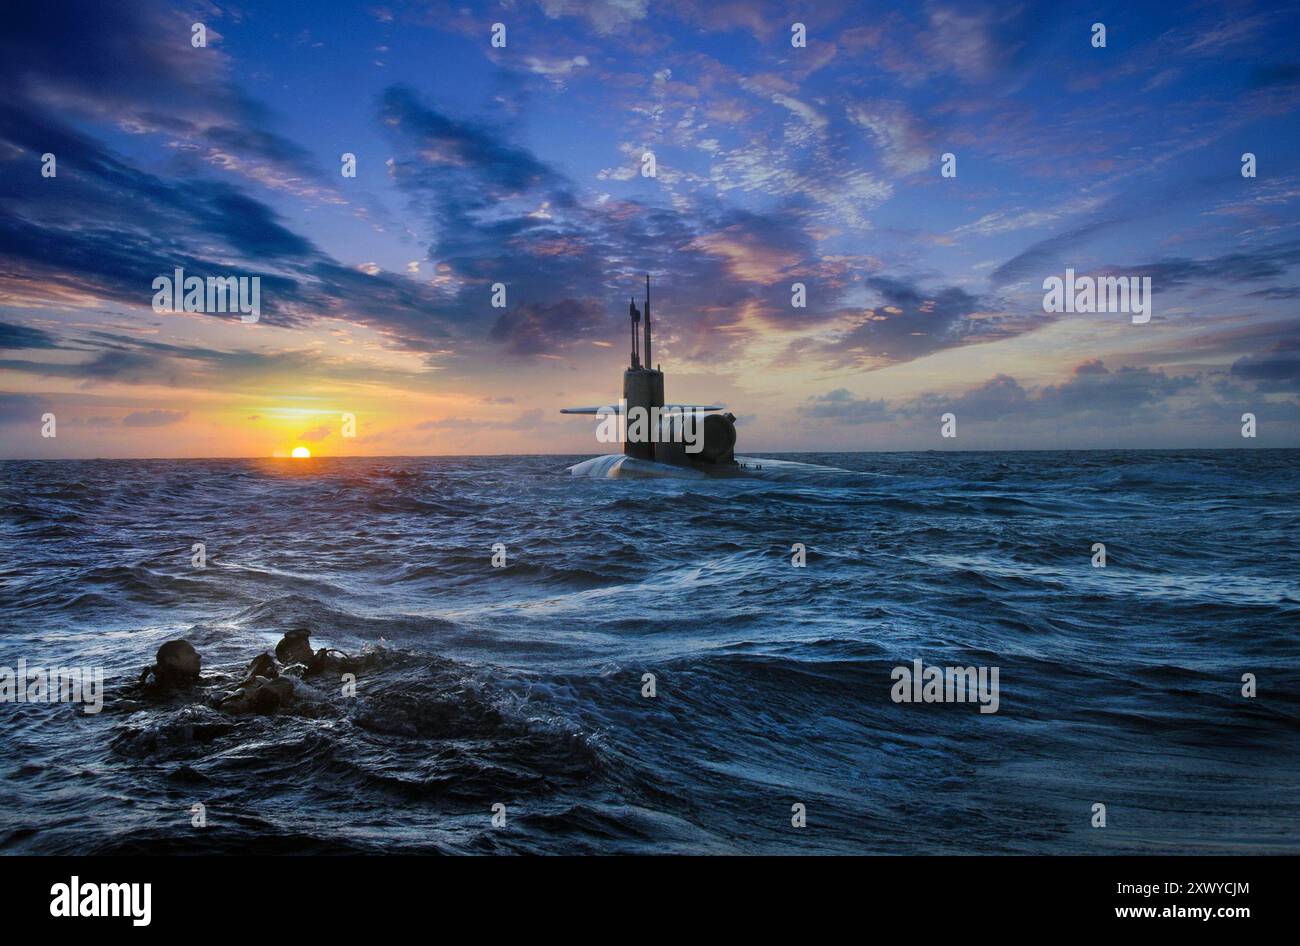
(614, 465)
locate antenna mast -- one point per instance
(649, 362)
(635, 316)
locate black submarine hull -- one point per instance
(620, 465)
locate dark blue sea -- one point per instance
(522, 685)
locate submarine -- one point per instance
(658, 439)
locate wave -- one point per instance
(524, 685)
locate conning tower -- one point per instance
(643, 385)
(688, 435)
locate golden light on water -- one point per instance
(301, 453)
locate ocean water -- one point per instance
(522, 685)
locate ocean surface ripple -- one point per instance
(522, 685)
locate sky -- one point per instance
(524, 165)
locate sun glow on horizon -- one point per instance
(301, 453)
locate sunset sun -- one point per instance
(301, 453)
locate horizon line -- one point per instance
(420, 456)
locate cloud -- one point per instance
(909, 323)
(529, 420)
(721, 16)
(604, 16)
(21, 409)
(1276, 369)
(1091, 392)
(777, 165)
(122, 359)
(1015, 218)
(443, 143)
(975, 43)
(22, 336)
(841, 405)
(135, 68)
(75, 239)
(450, 423)
(1277, 292)
(902, 143)
(1100, 216)
(756, 249)
(98, 422)
(502, 215)
(154, 418)
(555, 69)
(536, 328)
(1045, 257)
(1092, 389)
(1266, 262)
(826, 187)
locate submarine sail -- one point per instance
(690, 436)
